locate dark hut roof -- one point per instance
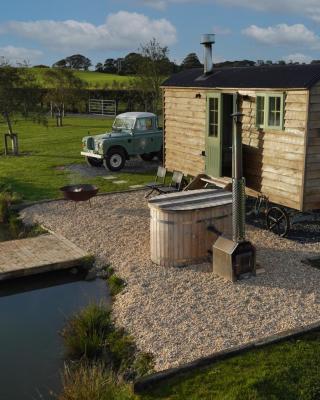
(273, 77)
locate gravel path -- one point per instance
(134, 165)
(180, 314)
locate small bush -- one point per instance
(7, 198)
(91, 335)
(18, 230)
(88, 262)
(120, 350)
(115, 284)
(85, 334)
(143, 364)
(92, 382)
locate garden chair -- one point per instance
(175, 184)
(158, 182)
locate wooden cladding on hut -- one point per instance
(282, 163)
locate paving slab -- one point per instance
(36, 255)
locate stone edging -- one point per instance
(145, 383)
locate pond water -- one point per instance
(33, 311)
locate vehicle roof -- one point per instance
(273, 77)
(136, 114)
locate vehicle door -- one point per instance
(144, 136)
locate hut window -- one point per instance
(274, 116)
(269, 111)
(213, 116)
(260, 110)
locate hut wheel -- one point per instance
(278, 221)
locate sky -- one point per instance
(42, 31)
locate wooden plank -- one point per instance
(275, 162)
(313, 183)
(314, 149)
(200, 122)
(295, 124)
(296, 98)
(193, 153)
(282, 148)
(295, 115)
(269, 153)
(314, 99)
(38, 255)
(273, 138)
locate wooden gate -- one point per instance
(107, 108)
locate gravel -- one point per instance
(134, 165)
(181, 314)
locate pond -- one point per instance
(33, 311)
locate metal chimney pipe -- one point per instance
(207, 40)
(238, 182)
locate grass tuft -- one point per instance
(92, 382)
(85, 334)
(115, 284)
(91, 335)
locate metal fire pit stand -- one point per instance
(234, 258)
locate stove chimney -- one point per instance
(207, 40)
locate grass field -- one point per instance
(93, 79)
(286, 371)
(36, 173)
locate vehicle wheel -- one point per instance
(278, 221)
(147, 156)
(94, 162)
(115, 160)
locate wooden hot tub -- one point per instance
(179, 225)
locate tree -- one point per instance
(19, 95)
(153, 67)
(41, 66)
(64, 89)
(60, 64)
(78, 61)
(131, 63)
(99, 67)
(191, 61)
(109, 66)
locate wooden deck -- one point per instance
(37, 255)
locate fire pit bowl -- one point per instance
(82, 192)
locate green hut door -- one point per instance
(213, 143)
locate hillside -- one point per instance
(93, 79)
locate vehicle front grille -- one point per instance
(90, 143)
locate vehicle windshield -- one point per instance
(123, 124)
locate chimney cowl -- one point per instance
(207, 40)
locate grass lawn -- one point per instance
(35, 174)
(93, 79)
(286, 371)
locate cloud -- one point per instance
(282, 34)
(309, 8)
(298, 57)
(121, 31)
(19, 54)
